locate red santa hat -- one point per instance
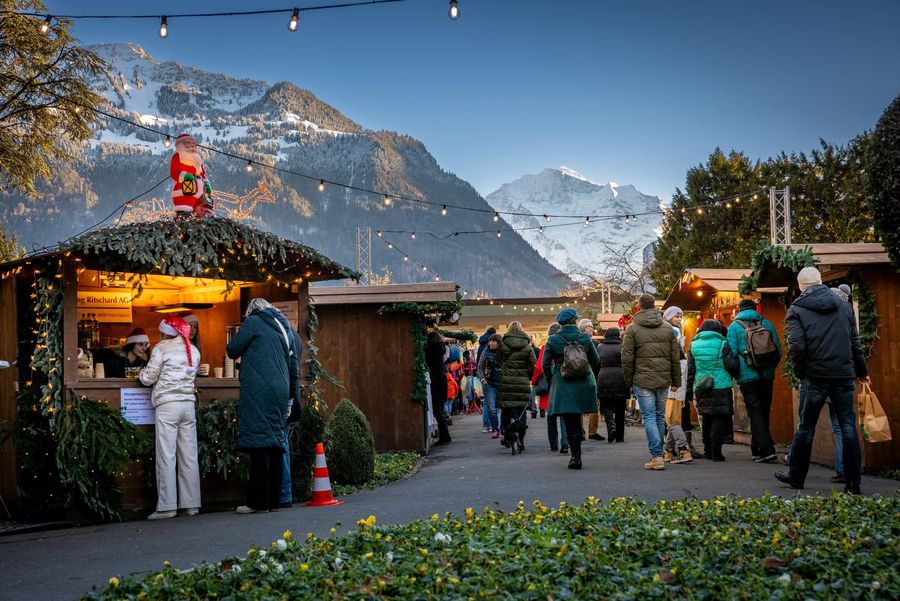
(189, 317)
(181, 138)
(137, 335)
(175, 326)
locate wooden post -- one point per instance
(8, 380)
(69, 325)
(302, 321)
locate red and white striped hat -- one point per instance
(137, 335)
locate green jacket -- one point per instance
(570, 396)
(738, 344)
(651, 356)
(517, 366)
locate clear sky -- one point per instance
(633, 91)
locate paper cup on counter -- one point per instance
(99, 371)
(203, 369)
(218, 371)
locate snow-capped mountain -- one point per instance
(282, 125)
(575, 249)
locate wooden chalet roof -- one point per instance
(429, 292)
(703, 284)
(831, 257)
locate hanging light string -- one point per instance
(406, 258)
(389, 198)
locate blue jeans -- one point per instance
(838, 439)
(652, 404)
(489, 413)
(813, 392)
(287, 495)
(552, 435)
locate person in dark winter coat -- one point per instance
(711, 361)
(489, 371)
(268, 381)
(571, 398)
(651, 361)
(756, 384)
(516, 367)
(826, 354)
(612, 393)
(435, 354)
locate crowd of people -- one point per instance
(576, 375)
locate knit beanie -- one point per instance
(671, 312)
(808, 277)
(747, 305)
(612, 333)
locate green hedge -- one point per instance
(349, 444)
(839, 547)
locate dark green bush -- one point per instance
(350, 445)
(884, 180)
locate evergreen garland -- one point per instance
(869, 320)
(419, 331)
(47, 360)
(884, 180)
(216, 433)
(467, 335)
(779, 256)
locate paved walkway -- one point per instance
(473, 471)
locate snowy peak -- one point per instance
(576, 249)
(296, 104)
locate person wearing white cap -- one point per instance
(171, 371)
(675, 447)
(826, 354)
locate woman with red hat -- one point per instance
(134, 353)
(171, 371)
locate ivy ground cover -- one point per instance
(839, 547)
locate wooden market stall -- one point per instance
(90, 292)
(875, 283)
(373, 353)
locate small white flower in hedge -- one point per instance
(785, 579)
(262, 553)
(338, 562)
(236, 569)
(664, 532)
(440, 537)
(279, 568)
(389, 556)
(281, 544)
(876, 585)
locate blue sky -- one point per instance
(635, 92)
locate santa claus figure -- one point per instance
(192, 192)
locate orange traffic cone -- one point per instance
(321, 482)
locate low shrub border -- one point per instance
(389, 467)
(838, 547)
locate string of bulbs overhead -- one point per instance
(389, 199)
(293, 24)
(406, 257)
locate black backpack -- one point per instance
(761, 351)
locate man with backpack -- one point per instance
(753, 341)
(651, 361)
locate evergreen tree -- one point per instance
(884, 179)
(42, 95)
(9, 247)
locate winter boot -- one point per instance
(685, 457)
(656, 463)
(575, 445)
(668, 455)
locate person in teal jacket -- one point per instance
(756, 384)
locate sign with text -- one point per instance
(136, 406)
(105, 306)
(291, 310)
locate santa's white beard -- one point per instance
(192, 159)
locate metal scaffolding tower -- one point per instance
(780, 215)
(605, 298)
(364, 255)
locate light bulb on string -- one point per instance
(413, 236)
(498, 233)
(437, 278)
(45, 26)
(249, 167)
(699, 210)
(424, 268)
(405, 258)
(541, 229)
(454, 10)
(755, 196)
(737, 200)
(444, 210)
(168, 142)
(683, 210)
(378, 233)
(390, 245)
(387, 200)
(295, 20)
(727, 205)
(321, 185)
(496, 216)
(587, 221)
(163, 27)
(547, 218)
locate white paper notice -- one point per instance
(136, 406)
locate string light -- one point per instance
(444, 210)
(496, 216)
(498, 233)
(541, 229)
(454, 10)
(728, 205)
(387, 200)
(699, 210)
(390, 245)
(547, 218)
(321, 185)
(587, 221)
(163, 27)
(168, 141)
(295, 19)
(378, 233)
(405, 258)
(249, 167)
(413, 236)
(45, 26)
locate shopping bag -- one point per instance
(875, 424)
(673, 411)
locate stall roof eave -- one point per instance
(429, 292)
(831, 255)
